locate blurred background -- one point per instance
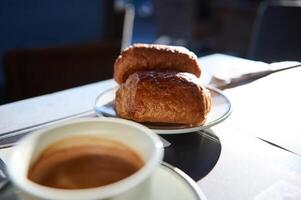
(52, 45)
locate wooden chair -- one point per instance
(33, 72)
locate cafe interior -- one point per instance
(57, 62)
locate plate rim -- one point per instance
(162, 166)
(187, 179)
(180, 130)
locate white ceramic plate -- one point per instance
(168, 183)
(221, 109)
(171, 183)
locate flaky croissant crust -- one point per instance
(141, 57)
(163, 96)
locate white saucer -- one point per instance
(168, 183)
(221, 109)
(172, 183)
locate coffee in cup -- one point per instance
(84, 162)
(105, 158)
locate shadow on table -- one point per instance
(195, 153)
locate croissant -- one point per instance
(163, 96)
(140, 57)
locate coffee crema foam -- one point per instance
(84, 162)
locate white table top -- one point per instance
(246, 167)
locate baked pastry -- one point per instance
(140, 57)
(163, 96)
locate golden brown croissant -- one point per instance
(163, 96)
(140, 57)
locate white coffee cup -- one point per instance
(136, 186)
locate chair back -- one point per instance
(34, 72)
(277, 32)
